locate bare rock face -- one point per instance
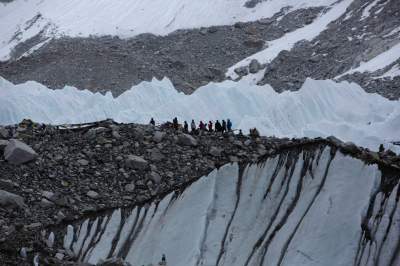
(17, 152)
(8, 199)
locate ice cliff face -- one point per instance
(303, 207)
(319, 109)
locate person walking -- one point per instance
(202, 126)
(224, 129)
(185, 127)
(218, 126)
(152, 122)
(229, 125)
(175, 123)
(210, 126)
(193, 126)
(163, 261)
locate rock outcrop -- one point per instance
(12, 200)
(17, 152)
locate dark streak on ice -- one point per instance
(238, 189)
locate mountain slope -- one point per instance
(295, 39)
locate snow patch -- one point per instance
(393, 32)
(391, 73)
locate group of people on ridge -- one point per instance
(223, 126)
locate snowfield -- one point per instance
(21, 20)
(297, 209)
(319, 108)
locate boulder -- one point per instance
(158, 136)
(335, 141)
(92, 133)
(254, 66)
(18, 152)
(92, 194)
(48, 195)
(241, 71)
(83, 162)
(155, 177)
(156, 155)
(4, 133)
(351, 148)
(45, 203)
(116, 134)
(138, 134)
(214, 151)
(3, 144)
(7, 184)
(187, 140)
(8, 199)
(136, 162)
(59, 256)
(130, 187)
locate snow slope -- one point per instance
(379, 62)
(287, 41)
(391, 73)
(299, 208)
(319, 108)
(83, 18)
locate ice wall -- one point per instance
(303, 207)
(320, 108)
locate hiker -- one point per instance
(229, 125)
(254, 133)
(193, 126)
(185, 127)
(223, 126)
(210, 126)
(218, 126)
(240, 133)
(175, 123)
(152, 122)
(163, 260)
(381, 148)
(202, 126)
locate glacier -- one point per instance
(307, 206)
(318, 109)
